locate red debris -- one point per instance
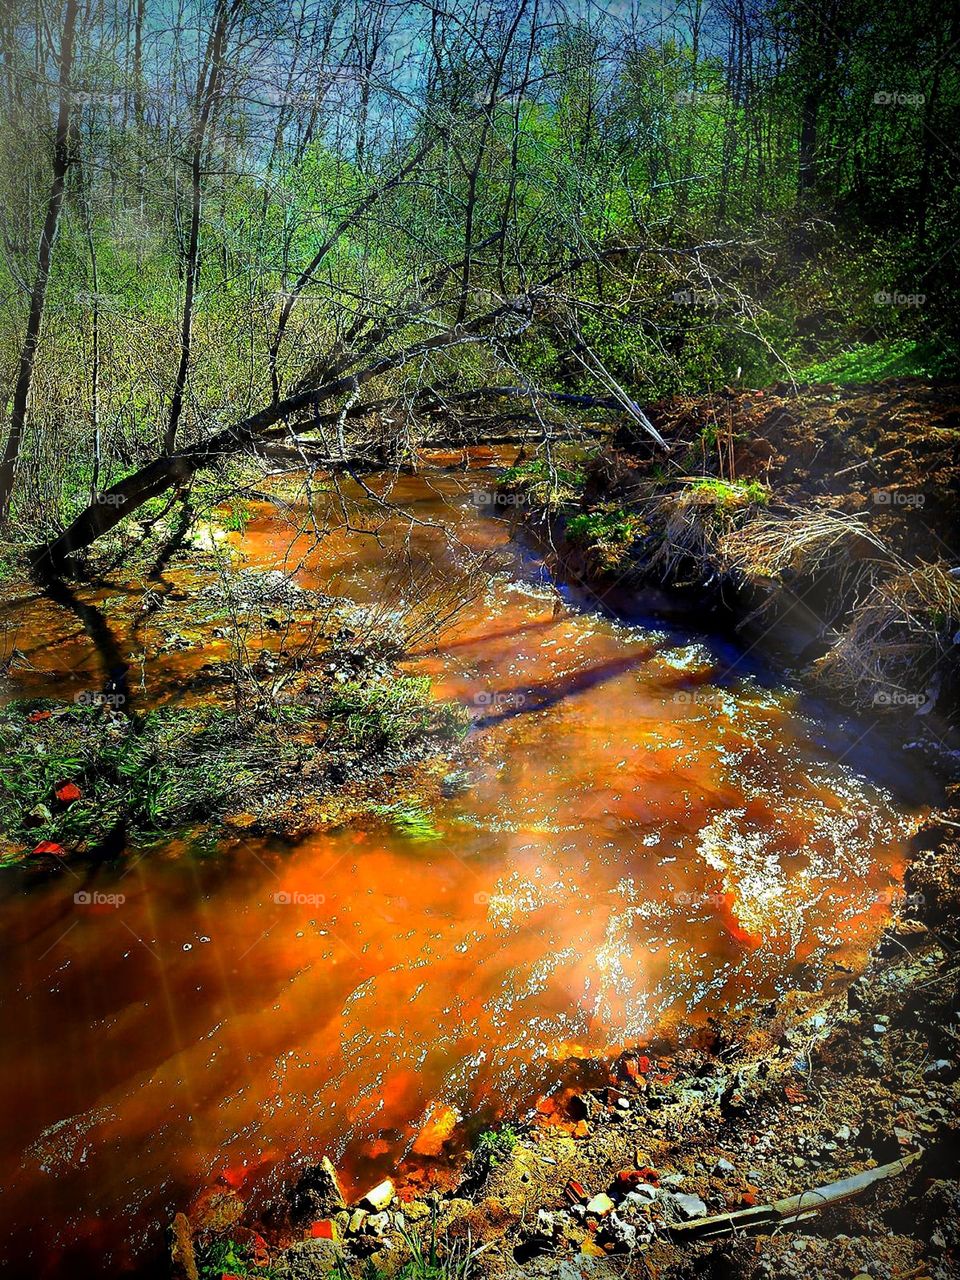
(36, 716)
(67, 793)
(575, 1192)
(50, 846)
(322, 1229)
(261, 1254)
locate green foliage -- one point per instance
(230, 1258)
(729, 493)
(544, 483)
(494, 1146)
(389, 715)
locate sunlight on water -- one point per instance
(652, 837)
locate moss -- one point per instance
(727, 493)
(607, 533)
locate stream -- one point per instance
(660, 831)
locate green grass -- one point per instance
(409, 820)
(871, 362)
(164, 771)
(427, 1261)
(390, 714)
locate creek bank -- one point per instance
(621, 1178)
(275, 711)
(822, 520)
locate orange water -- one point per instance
(658, 832)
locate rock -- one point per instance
(643, 1194)
(306, 1260)
(215, 1209)
(183, 1264)
(575, 1192)
(673, 1180)
(324, 1229)
(600, 1205)
(621, 1234)
(357, 1219)
(416, 1211)
(723, 1167)
(318, 1193)
(941, 1067)
(688, 1206)
(379, 1197)
(844, 1133)
(378, 1223)
(546, 1227)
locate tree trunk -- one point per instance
(62, 159)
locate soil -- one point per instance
(872, 618)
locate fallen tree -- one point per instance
(300, 412)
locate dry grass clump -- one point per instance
(695, 522)
(778, 551)
(895, 650)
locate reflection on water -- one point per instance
(657, 833)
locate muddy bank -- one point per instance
(823, 522)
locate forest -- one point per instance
(479, 607)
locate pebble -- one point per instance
(689, 1206)
(723, 1167)
(600, 1205)
(378, 1197)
